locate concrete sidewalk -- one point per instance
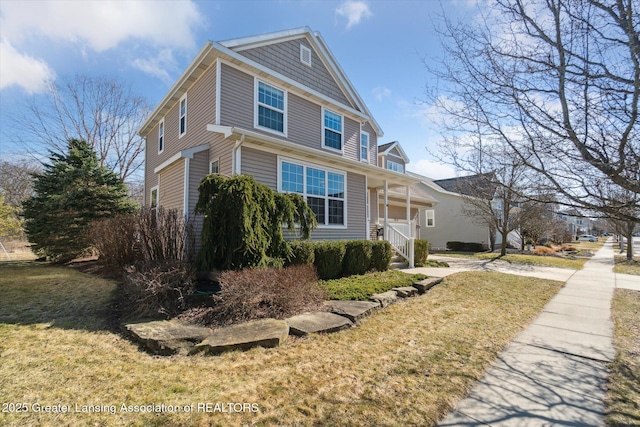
(555, 371)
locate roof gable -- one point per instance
(247, 46)
(389, 147)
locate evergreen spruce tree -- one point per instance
(72, 191)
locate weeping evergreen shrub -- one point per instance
(243, 222)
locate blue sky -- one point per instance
(379, 44)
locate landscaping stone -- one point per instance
(426, 284)
(309, 323)
(385, 298)
(406, 291)
(166, 337)
(258, 333)
(352, 310)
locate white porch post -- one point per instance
(386, 210)
(409, 211)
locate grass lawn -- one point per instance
(539, 260)
(627, 267)
(405, 365)
(623, 394)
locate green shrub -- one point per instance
(328, 258)
(357, 257)
(302, 252)
(421, 252)
(381, 254)
(360, 288)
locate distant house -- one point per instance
(446, 221)
(279, 107)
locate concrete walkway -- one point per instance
(555, 371)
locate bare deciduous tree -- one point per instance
(16, 181)
(100, 110)
(558, 82)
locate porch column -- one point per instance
(386, 210)
(409, 211)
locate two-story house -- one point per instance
(279, 107)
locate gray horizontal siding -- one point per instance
(172, 186)
(263, 166)
(284, 58)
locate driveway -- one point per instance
(456, 265)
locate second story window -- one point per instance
(271, 108)
(395, 166)
(364, 146)
(161, 136)
(183, 116)
(332, 130)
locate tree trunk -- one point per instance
(503, 249)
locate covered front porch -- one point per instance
(396, 205)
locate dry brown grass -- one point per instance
(405, 365)
(623, 393)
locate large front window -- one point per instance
(324, 190)
(332, 128)
(271, 107)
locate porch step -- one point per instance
(398, 262)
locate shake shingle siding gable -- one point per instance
(284, 58)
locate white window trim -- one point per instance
(256, 104)
(341, 150)
(211, 162)
(305, 50)
(305, 165)
(361, 146)
(186, 110)
(157, 189)
(426, 218)
(164, 139)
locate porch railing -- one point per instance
(402, 244)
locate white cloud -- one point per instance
(381, 92)
(94, 26)
(159, 66)
(22, 70)
(354, 11)
(102, 25)
(432, 169)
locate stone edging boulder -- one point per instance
(167, 337)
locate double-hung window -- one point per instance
(214, 167)
(161, 136)
(332, 130)
(430, 218)
(364, 146)
(323, 190)
(183, 116)
(271, 107)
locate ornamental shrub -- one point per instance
(464, 246)
(258, 293)
(328, 258)
(302, 253)
(381, 254)
(421, 252)
(357, 257)
(243, 221)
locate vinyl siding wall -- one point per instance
(172, 186)
(303, 116)
(263, 166)
(200, 112)
(285, 59)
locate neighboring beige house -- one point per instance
(446, 222)
(279, 107)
